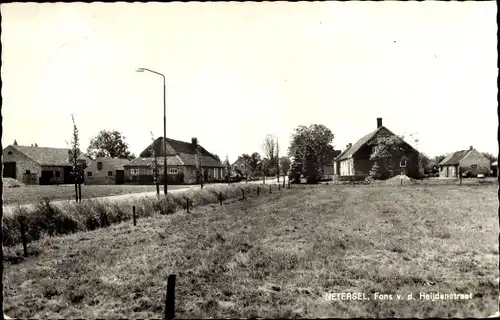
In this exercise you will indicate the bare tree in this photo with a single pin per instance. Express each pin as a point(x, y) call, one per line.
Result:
point(269, 147)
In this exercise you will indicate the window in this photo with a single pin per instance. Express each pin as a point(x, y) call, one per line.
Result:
point(110, 173)
point(28, 172)
point(173, 171)
point(89, 174)
point(58, 174)
point(99, 166)
point(134, 171)
point(9, 153)
point(474, 166)
point(402, 163)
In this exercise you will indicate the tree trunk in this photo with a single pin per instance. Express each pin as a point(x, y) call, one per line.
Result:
point(80, 192)
point(76, 192)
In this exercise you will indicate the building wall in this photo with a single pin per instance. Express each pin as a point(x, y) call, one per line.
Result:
point(347, 167)
point(482, 164)
point(450, 171)
point(100, 176)
point(23, 163)
point(57, 174)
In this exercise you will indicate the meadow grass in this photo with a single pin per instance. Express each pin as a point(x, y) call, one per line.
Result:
point(275, 256)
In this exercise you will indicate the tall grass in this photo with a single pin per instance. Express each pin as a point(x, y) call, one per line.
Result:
point(47, 219)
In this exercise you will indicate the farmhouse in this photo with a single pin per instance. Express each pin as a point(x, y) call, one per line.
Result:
point(239, 167)
point(469, 162)
point(181, 163)
point(106, 171)
point(354, 162)
point(38, 165)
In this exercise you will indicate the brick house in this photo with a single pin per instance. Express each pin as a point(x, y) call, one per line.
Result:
point(181, 162)
point(239, 167)
point(354, 161)
point(38, 165)
point(106, 171)
point(470, 162)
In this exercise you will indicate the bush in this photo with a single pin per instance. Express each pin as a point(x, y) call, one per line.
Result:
point(53, 220)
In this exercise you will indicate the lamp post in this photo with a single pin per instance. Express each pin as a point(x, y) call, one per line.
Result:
point(277, 156)
point(164, 126)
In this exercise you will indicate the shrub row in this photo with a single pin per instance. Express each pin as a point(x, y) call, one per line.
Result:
point(52, 220)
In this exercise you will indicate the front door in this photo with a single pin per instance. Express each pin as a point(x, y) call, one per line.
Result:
point(9, 170)
point(120, 177)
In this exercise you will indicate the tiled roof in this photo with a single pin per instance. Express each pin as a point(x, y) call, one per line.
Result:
point(349, 152)
point(48, 156)
point(361, 142)
point(176, 147)
point(206, 161)
point(148, 161)
point(454, 158)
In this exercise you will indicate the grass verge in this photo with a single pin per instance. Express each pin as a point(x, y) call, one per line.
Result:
point(275, 256)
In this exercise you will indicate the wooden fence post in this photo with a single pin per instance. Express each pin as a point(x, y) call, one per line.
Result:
point(80, 192)
point(170, 298)
point(258, 191)
point(23, 236)
point(270, 190)
point(220, 197)
point(243, 194)
point(187, 204)
point(133, 215)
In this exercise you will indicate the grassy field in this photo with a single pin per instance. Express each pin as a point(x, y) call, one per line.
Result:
point(275, 257)
point(35, 193)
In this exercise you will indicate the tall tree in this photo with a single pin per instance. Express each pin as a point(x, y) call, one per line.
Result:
point(199, 168)
point(216, 157)
point(269, 147)
point(110, 144)
point(73, 155)
point(285, 164)
point(314, 141)
point(227, 169)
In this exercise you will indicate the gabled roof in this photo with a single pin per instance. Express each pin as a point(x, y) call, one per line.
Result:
point(206, 161)
point(454, 158)
point(349, 152)
point(148, 161)
point(175, 147)
point(359, 144)
point(47, 156)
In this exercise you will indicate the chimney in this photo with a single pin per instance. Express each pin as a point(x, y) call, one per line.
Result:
point(471, 148)
point(194, 141)
point(347, 146)
point(350, 145)
point(379, 122)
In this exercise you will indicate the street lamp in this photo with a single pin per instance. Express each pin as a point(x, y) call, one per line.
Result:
point(164, 125)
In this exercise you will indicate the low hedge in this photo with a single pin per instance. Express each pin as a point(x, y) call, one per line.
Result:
point(52, 220)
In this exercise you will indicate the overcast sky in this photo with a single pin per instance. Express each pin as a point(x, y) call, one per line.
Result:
point(238, 71)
